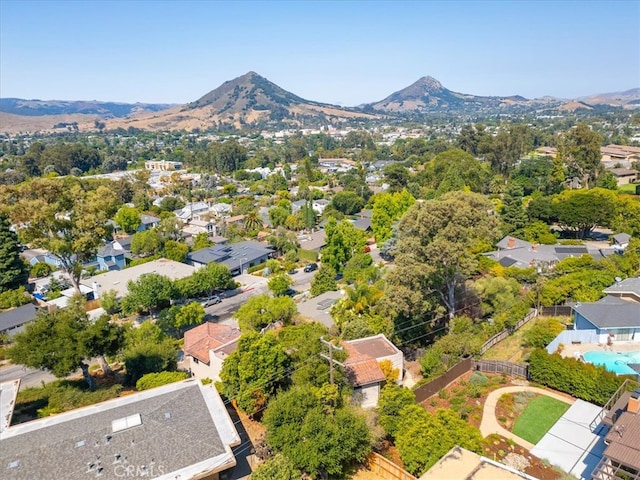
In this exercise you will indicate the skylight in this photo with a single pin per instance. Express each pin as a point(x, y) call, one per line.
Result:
point(126, 423)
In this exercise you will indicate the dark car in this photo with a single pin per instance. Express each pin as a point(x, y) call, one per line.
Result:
point(311, 267)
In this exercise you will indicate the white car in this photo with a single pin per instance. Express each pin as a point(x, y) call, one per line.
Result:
point(207, 302)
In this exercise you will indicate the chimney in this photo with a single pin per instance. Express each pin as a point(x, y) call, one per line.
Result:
point(96, 290)
point(534, 247)
point(511, 242)
point(634, 402)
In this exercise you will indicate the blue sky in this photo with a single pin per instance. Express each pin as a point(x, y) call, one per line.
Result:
point(345, 52)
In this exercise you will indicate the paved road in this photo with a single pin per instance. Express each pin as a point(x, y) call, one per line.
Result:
point(252, 286)
point(28, 377)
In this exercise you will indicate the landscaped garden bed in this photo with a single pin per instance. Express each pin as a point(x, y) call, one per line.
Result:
point(467, 396)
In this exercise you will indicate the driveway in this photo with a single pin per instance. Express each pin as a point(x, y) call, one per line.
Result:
point(317, 308)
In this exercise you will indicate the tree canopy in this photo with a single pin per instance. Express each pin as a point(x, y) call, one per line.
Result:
point(13, 271)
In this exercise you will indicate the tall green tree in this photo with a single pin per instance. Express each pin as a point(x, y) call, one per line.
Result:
point(580, 150)
point(128, 219)
point(387, 209)
point(66, 219)
point(318, 440)
point(580, 211)
point(324, 280)
point(262, 310)
point(13, 271)
point(438, 244)
point(513, 214)
point(255, 371)
point(149, 293)
point(343, 242)
point(64, 340)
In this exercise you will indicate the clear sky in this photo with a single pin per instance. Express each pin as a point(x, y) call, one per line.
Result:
point(346, 52)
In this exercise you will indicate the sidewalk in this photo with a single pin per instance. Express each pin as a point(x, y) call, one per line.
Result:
point(490, 423)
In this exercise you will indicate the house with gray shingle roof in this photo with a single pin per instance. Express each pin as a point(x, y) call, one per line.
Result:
point(13, 321)
point(615, 316)
point(235, 256)
point(147, 222)
point(181, 430)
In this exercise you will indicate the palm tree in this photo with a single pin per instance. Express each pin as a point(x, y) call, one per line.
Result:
point(253, 222)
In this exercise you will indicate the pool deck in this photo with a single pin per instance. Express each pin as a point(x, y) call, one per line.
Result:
point(622, 346)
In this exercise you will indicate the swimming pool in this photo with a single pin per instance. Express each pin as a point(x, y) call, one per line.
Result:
point(613, 361)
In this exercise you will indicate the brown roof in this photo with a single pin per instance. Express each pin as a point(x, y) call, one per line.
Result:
point(208, 336)
point(624, 440)
point(376, 347)
point(623, 172)
point(362, 369)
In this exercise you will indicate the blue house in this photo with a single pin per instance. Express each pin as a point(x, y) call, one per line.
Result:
point(147, 222)
point(610, 316)
point(111, 257)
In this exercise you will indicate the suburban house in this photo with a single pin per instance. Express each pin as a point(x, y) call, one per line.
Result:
point(207, 346)
point(111, 257)
point(514, 252)
point(363, 366)
point(621, 457)
point(162, 165)
point(181, 430)
point(147, 222)
point(196, 227)
point(362, 220)
point(13, 321)
point(336, 164)
point(621, 241)
point(627, 289)
point(319, 205)
point(314, 241)
point(622, 155)
point(616, 316)
point(462, 464)
point(624, 176)
point(297, 206)
point(117, 280)
point(221, 209)
point(237, 257)
point(192, 211)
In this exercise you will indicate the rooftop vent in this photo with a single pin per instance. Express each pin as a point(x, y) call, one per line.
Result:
point(126, 423)
point(167, 415)
point(14, 464)
point(81, 443)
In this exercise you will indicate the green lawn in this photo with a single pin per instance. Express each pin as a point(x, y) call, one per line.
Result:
point(538, 417)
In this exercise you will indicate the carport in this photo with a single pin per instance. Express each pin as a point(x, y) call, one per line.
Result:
point(570, 444)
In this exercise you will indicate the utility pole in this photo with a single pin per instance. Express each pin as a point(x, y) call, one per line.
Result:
point(332, 347)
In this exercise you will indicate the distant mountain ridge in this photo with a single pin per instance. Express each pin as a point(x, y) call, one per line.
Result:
point(428, 95)
point(18, 106)
point(250, 101)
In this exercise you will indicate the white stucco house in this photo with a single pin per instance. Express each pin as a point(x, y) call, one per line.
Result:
point(207, 346)
point(363, 366)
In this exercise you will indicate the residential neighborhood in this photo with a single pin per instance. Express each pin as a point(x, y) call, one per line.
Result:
point(341, 267)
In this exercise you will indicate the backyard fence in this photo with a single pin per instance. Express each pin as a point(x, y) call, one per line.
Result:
point(497, 366)
point(387, 469)
point(428, 389)
point(498, 337)
point(568, 337)
point(556, 311)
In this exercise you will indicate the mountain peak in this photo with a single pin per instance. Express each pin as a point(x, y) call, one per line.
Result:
point(429, 83)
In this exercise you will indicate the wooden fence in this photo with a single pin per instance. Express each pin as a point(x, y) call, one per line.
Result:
point(387, 469)
point(428, 389)
point(497, 366)
point(556, 311)
point(498, 337)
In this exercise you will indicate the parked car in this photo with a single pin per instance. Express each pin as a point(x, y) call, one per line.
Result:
point(311, 267)
point(207, 302)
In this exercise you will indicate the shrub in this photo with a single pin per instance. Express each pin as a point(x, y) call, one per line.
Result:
point(478, 378)
point(152, 380)
point(41, 269)
point(14, 298)
point(543, 332)
point(255, 268)
point(582, 380)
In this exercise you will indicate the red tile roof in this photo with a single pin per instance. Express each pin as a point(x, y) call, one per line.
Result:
point(208, 336)
point(362, 369)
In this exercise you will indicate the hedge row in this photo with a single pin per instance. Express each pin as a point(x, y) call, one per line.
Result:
point(581, 380)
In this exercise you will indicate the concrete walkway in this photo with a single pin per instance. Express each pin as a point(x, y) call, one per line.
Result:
point(490, 423)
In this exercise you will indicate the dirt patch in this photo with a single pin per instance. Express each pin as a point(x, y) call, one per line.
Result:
point(502, 450)
point(510, 406)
